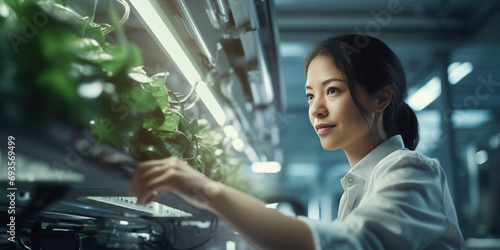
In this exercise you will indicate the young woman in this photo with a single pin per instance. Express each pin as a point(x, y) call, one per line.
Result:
point(395, 198)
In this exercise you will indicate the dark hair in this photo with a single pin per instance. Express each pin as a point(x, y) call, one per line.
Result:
point(369, 62)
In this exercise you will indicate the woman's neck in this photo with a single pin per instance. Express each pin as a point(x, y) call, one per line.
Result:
point(362, 147)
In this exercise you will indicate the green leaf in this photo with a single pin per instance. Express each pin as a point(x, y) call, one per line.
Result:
point(195, 126)
point(57, 80)
point(114, 59)
point(135, 56)
point(139, 75)
point(171, 122)
point(88, 49)
point(178, 141)
point(94, 31)
point(173, 149)
point(144, 99)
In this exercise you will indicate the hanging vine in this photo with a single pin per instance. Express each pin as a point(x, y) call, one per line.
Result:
point(62, 70)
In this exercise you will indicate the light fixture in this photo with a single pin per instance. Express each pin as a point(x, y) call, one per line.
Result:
point(432, 89)
point(162, 29)
point(425, 95)
point(238, 144)
point(457, 71)
point(230, 132)
point(269, 167)
point(90, 90)
point(272, 205)
point(481, 157)
point(230, 245)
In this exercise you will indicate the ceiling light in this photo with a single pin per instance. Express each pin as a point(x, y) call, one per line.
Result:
point(272, 205)
point(481, 157)
point(425, 95)
point(230, 245)
point(457, 71)
point(268, 167)
point(230, 132)
point(238, 144)
point(90, 90)
point(160, 26)
point(251, 154)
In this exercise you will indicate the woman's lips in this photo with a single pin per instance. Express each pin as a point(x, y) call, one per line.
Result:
point(324, 129)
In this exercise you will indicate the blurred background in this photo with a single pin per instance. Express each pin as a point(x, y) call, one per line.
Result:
point(250, 54)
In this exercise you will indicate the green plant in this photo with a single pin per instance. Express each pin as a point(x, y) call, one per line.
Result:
point(66, 72)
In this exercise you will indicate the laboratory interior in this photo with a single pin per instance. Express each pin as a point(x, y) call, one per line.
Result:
point(89, 89)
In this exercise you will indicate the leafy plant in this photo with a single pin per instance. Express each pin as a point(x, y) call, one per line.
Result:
point(62, 70)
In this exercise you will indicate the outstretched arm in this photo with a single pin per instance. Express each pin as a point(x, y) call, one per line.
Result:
point(264, 227)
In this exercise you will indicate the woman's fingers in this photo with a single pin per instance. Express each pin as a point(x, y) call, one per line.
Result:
point(140, 169)
point(152, 178)
point(156, 185)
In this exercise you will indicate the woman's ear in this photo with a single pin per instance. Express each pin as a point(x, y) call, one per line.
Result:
point(383, 98)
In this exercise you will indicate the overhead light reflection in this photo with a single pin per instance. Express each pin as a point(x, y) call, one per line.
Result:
point(238, 144)
point(90, 90)
point(432, 89)
point(481, 157)
point(457, 71)
point(425, 95)
point(230, 132)
point(268, 167)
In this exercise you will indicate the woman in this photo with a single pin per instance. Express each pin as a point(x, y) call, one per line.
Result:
point(394, 197)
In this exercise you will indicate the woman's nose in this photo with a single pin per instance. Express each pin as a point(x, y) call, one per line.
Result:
point(318, 108)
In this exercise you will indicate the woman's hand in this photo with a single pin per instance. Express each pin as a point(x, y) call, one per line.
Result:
point(155, 177)
point(264, 227)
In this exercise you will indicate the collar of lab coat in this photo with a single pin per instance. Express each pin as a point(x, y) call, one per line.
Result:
point(363, 169)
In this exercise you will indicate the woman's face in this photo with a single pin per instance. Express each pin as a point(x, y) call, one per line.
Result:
point(332, 111)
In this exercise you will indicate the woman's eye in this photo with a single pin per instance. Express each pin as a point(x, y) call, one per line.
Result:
point(309, 97)
point(332, 90)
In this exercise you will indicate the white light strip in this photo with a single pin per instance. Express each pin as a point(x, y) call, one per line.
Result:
point(213, 106)
point(230, 132)
point(457, 71)
point(313, 209)
point(432, 89)
point(269, 167)
point(148, 12)
point(251, 154)
point(425, 95)
point(238, 145)
point(272, 205)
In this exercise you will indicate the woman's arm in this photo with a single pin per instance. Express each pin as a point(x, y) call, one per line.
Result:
point(264, 227)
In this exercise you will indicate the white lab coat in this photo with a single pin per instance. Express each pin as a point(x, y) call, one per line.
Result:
point(393, 198)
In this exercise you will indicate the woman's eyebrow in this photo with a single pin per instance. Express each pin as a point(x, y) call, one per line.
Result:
point(326, 82)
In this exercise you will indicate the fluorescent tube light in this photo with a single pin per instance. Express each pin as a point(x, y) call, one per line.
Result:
point(272, 205)
point(159, 26)
point(432, 89)
point(457, 71)
point(269, 167)
point(238, 145)
point(230, 132)
point(425, 95)
point(211, 103)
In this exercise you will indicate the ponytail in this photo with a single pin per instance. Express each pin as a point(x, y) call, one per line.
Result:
point(407, 124)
